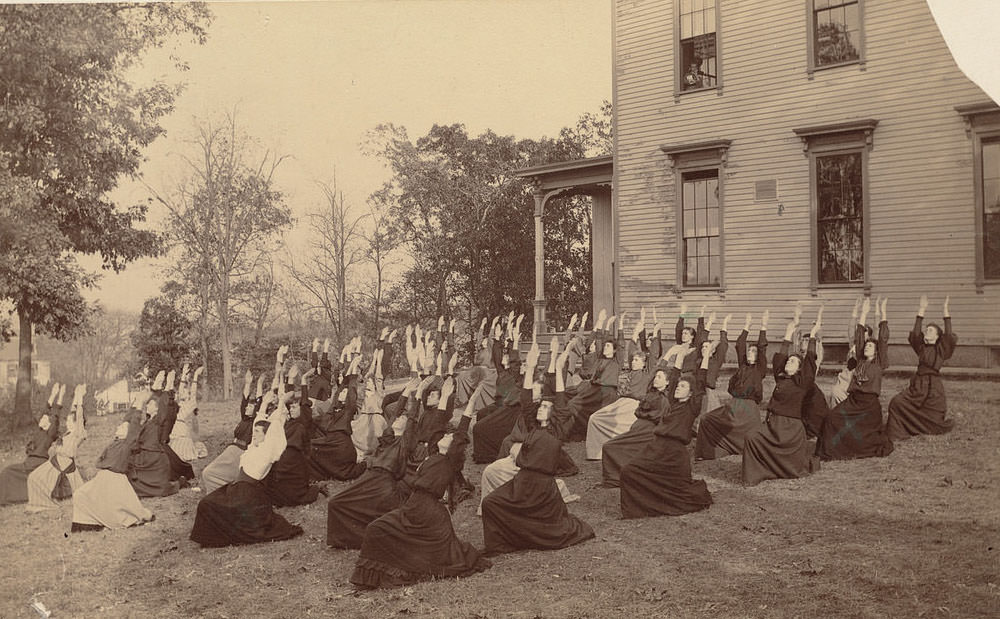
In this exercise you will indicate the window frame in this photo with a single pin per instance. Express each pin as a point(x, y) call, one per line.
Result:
point(838, 139)
point(698, 157)
point(982, 123)
point(811, 66)
point(678, 62)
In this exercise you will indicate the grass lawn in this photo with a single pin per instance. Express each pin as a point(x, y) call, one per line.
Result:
point(916, 534)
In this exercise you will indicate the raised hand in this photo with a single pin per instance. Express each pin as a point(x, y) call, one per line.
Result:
point(583, 321)
point(621, 322)
point(185, 371)
point(818, 324)
point(702, 312)
point(315, 344)
point(158, 381)
point(725, 322)
point(554, 346)
point(307, 375)
point(531, 360)
point(764, 318)
point(683, 310)
point(451, 364)
point(747, 322)
point(923, 305)
point(866, 306)
point(451, 326)
point(710, 321)
point(572, 323)
point(169, 384)
point(440, 326)
point(260, 385)
point(62, 394)
point(945, 311)
point(447, 388)
point(392, 335)
point(611, 321)
point(482, 325)
point(885, 313)
point(293, 373)
point(798, 313)
point(53, 394)
point(326, 345)
point(383, 334)
point(602, 317)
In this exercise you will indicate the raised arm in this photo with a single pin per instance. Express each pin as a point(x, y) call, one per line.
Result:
point(948, 340)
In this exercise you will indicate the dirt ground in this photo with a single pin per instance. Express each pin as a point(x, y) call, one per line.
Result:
point(916, 534)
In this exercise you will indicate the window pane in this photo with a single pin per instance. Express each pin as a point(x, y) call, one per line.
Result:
point(857, 234)
point(715, 270)
point(851, 18)
point(703, 270)
point(991, 161)
point(702, 247)
point(713, 222)
point(701, 222)
point(691, 247)
point(713, 246)
point(691, 276)
point(991, 246)
point(857, 266)
point(713, 192)
point(698, 5)
point(688, 195)
point(698, 27)
point(686, 26)
point(685, 6)
point(820, 4)
point(991, 196)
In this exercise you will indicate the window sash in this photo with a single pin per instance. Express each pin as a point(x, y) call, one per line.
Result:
point(839, 214)
point(696, 41)
point(835, 34)
point(700, 228)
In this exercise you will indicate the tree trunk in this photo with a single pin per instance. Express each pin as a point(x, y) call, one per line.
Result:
point(22, 397)
point(227, 361)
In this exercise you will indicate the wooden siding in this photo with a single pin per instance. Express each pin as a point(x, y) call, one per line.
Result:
point(921, 220)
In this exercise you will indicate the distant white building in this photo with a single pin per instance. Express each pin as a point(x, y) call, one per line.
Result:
point(115, 398)
point(41, 371)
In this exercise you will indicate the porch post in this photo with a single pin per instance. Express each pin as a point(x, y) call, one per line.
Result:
point(539, 302)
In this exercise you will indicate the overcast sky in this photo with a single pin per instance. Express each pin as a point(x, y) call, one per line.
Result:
point(311, 78)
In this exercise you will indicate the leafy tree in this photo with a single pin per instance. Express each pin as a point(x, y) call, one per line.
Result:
point(72, 125)
point(467, 220)
point(163, 338)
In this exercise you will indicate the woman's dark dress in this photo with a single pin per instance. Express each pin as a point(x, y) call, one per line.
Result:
point(378, 491)
point(416, 541)
point(14, 478)
point(658, 482)
point(921, 408)
point(723, 431)
point(289, 481)
point(333, 455)
point(854, 428)
point(779, 449)
point(149, 468)
point(528, 511)
point(620, 450)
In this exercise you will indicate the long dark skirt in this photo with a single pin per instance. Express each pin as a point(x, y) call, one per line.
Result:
point(588, 400)
point(621, 450)
point(178, 467)
point(413, 543)
point(920, 409)
point(14, 480)
point(723, 432)
point(351, 510)
point(489, 432)
point(150, 472)
point(659, 483)
point(240, 513)
point(854, 430)
point(334, 457)
point(778, 450)
point(288, 481)
point(814, 411)
point(528, 512)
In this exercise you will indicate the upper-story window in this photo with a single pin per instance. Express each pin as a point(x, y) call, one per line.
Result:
point(697, 44)
point(836, 33)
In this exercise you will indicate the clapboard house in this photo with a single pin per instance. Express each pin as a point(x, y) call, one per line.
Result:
point(815, 150)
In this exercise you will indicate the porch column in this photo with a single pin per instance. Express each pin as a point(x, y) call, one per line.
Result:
point(539, 302)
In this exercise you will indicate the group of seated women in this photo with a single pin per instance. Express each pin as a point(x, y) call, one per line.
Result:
point(638, 403)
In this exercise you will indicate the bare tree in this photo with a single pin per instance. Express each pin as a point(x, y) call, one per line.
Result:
point(255, 297)
point(99, 358)
point(224, 216)
point(333, 251)
point(380, 243)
